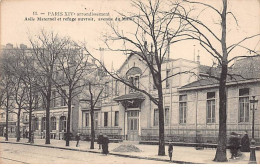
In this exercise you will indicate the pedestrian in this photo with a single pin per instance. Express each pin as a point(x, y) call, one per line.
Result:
point(32, 137)
point(105, 142)
point(77, 139)
point(170, 150)
point(26, 134)
point(234, 145)
point(245, 143)
point(99, 141)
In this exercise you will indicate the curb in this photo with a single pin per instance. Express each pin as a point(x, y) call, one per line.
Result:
point(115, 154)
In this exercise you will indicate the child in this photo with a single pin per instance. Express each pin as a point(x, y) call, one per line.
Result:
point(170, 150)
point(77, 139)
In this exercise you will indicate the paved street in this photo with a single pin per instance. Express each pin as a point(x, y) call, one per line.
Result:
point(14, 152)
point(26, 154)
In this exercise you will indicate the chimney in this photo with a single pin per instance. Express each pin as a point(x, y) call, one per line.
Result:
point(198, 57)
point(23, 46)
point(9, 46)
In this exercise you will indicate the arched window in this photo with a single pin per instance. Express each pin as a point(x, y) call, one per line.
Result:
point(53, 123)
point(63, 123)
point(36, 124)
point(133, 75)
point(43, 123)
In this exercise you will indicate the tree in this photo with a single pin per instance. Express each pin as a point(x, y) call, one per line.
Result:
point(7, 84)
point(151, 25)
point(215, 43)
point(19, 95)
point(92, 96)
point(46, 47)
point(73, 66)
point(19, 91)
point(30, 84)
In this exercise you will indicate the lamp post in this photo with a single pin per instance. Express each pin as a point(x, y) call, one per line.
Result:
point(252, 159)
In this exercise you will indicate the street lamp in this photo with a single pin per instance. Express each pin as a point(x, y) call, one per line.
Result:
point(252, 159)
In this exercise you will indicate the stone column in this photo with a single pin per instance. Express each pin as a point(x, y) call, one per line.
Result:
point(57, 127)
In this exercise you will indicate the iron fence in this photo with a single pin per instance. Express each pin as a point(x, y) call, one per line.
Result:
point(198, 135)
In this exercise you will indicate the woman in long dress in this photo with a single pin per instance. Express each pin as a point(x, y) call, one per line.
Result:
point(245, 143)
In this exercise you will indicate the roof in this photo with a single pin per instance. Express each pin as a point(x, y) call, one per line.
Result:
point(130, 96)
point(201, 82)
point(131, 54)
point(245, 69)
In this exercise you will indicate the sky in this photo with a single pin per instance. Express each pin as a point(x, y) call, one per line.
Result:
point(15, 29)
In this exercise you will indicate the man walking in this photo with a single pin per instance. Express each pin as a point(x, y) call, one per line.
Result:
point(77, 139)
point(170, 150)
point(100, 140)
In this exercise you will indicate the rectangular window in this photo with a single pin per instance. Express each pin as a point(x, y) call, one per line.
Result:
point(105, 118)
point(167, 79)
point(43, 102)
point(63, 98)
point(36, 100)
point(87, 120)
point(132, 83)
point(53, 123)
point(116, 118)
point(166, 116)
point(53, 98)
point(96, 120)
point(211, 107)
point(244, 105)
point(116, 88)
point(106, 89)
point(136, 83)
point(182, 108)
point(156, 117)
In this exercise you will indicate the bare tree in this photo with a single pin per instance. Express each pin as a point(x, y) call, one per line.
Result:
point(46, 47)
point(30, 84)
point(92, 96)
point(71, 68)
point(7, 83)
point(152, 25)
point(215, 43)
point(19, 97)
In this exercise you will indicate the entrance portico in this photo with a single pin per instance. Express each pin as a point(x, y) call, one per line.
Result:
point(132, 105)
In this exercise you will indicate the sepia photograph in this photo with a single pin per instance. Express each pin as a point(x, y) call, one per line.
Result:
point(130, 82)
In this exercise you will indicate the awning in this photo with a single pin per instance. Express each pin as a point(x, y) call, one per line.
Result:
point(130, 96)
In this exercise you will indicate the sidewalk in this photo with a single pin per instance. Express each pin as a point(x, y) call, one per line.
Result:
point(180, 154)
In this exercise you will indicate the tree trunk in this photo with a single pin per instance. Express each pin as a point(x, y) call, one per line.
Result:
point(92, 129)
point(18, 125)
point(30, 124)
point(68, 121)
point(221, 155)
point(92, 119)
point(161, 150)
point(48, 101)
point(6, 121)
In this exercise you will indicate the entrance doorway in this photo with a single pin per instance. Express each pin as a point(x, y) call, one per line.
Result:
point(133, 125)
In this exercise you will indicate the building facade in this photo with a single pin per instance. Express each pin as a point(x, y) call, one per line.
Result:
point(190, 103)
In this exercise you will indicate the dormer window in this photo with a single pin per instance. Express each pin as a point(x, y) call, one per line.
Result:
point(133, 75)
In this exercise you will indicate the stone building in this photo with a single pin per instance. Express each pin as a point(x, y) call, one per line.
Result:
point(190, 102)
point(202, 101)
point(12, 122)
